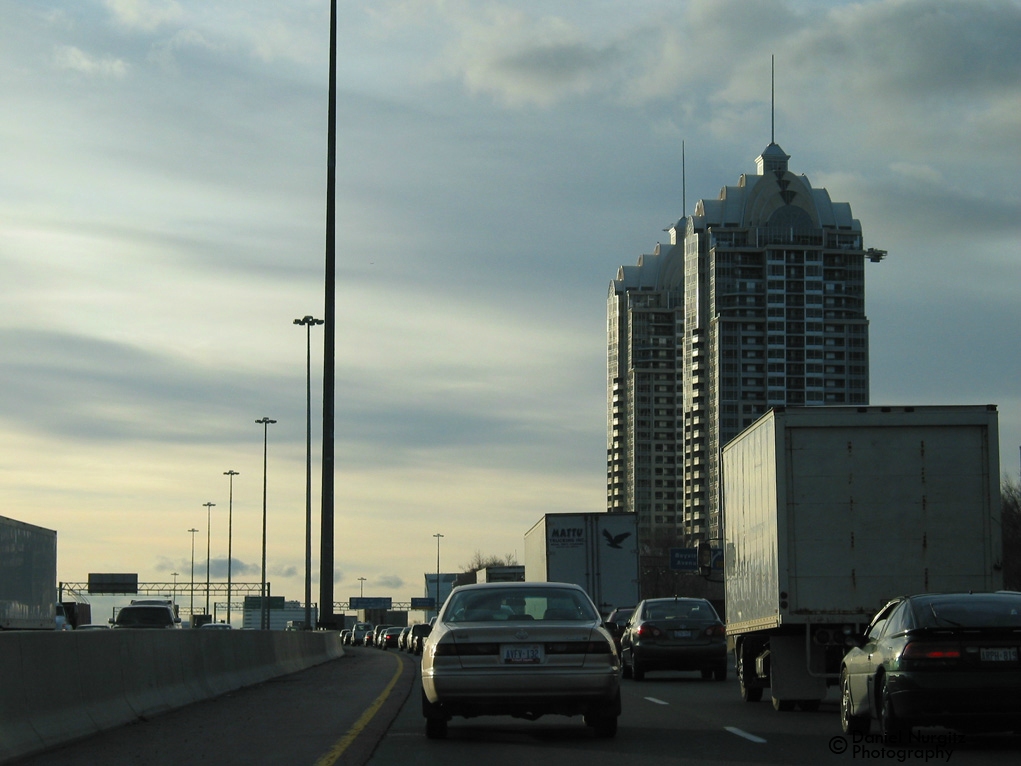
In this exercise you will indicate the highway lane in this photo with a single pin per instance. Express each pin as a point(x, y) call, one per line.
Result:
point(676, 719)
point(365, 709)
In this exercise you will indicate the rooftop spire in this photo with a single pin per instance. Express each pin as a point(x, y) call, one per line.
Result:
point(773, 158)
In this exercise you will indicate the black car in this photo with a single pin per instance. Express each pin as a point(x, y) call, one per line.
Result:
point(419, 632)
point(617, 621)
point(674, 634)
point(936, 660)
point(389, 638)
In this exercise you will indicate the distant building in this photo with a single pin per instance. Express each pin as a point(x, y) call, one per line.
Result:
point(756, 301)
point(446, 585)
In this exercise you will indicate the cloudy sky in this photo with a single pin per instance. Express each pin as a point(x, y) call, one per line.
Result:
point(162, 223)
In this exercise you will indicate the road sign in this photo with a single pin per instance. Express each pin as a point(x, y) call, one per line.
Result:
point(423, 603)
point(371, 602)
point(684, 559)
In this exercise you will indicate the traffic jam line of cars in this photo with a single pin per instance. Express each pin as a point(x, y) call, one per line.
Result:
point(533, 649)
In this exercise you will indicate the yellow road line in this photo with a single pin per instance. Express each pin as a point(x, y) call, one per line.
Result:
point(344, 742)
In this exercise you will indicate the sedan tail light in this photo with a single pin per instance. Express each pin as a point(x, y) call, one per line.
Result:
point(716, 631)
point(930, 654)
point(648, 630)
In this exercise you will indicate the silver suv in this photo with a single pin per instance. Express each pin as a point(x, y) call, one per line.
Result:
point(149, 615)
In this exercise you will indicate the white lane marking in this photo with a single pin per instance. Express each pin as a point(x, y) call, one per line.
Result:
point(656, 701)
point(746, 735)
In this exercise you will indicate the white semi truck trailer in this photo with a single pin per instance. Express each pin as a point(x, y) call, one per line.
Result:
point(829, 512)
point(28, 576)
point(598, 551)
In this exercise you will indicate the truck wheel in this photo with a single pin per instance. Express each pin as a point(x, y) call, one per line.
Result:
point(783, 706)
point(748, 693)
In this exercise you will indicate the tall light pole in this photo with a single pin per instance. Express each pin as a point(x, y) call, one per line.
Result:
point(209, 508)
point(192, 608)
point(230, 526)
point(264, 610)
point(361, 586)
point(329, 340)
point(175, 589)
point(308, 322)
point(437, 536)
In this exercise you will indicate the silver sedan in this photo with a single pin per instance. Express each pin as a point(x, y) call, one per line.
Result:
point(520, 649)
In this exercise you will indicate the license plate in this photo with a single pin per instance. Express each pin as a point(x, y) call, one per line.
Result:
point(522, 654)
point(682, 634)
point(1007, 654)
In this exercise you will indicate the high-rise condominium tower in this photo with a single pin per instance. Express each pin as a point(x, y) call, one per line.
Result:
point(756, 301)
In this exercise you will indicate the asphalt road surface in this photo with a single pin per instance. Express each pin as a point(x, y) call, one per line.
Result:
point(365, 709)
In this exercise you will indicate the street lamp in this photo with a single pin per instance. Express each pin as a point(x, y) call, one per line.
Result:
point(230, 525)
point(192, 608)
point(209, 508)
point(437, 536)
point(308, 322)
point(361, 586)
point(264, 610)
point(175, 588)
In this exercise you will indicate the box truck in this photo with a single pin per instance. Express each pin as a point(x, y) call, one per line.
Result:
point(829, 512)
point(598, 551)
point(28, 576)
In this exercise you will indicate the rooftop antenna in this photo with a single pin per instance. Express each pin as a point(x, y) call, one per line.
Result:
point(684, 185)
point(772, 99)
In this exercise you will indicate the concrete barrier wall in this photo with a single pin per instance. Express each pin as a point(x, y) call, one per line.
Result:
point(59, 686)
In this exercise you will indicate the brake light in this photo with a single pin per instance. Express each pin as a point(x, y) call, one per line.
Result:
point(445, 649)
point(648, 630)
point(917, 651)
point(920, 651)
point(716, 631)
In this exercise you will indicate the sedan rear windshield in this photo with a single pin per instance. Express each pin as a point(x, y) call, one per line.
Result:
point(970, 610)
point(145, 616)
point(679, 609)
point(511, 604)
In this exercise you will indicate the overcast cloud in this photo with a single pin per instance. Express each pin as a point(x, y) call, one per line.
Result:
point(162, 222)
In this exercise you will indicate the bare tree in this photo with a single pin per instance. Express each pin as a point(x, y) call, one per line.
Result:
point(478, 561)
point(1010, 495)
